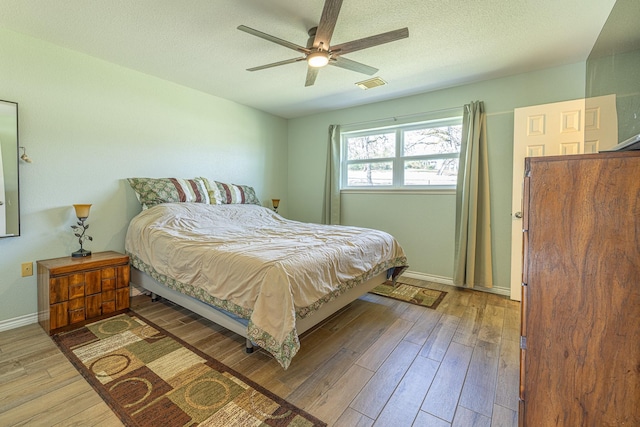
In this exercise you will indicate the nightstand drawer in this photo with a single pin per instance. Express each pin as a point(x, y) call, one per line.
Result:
point(122, 298)
point(58, 290)
point(108, 273)
point(108, 307)
point(59, 315)
point(76, 316)
point(76, 291)
point(108, 284)
point(92, 282)
point(108, 296)
point(93, 305)
point(76, 304)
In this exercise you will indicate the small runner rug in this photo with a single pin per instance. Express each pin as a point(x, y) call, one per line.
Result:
point(150, 377)
point(429, 298)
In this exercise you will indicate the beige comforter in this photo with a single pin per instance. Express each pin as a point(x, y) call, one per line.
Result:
point(252, 262)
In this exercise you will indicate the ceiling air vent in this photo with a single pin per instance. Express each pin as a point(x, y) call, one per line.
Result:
point(371, 83)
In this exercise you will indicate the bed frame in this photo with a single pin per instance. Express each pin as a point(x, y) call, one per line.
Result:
point(141, 279)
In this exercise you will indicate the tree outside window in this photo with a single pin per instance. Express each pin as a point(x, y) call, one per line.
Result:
point(423, 155)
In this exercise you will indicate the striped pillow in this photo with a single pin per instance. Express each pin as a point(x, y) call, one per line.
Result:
point(232, 193)
point(225, 194)
point(153, 191)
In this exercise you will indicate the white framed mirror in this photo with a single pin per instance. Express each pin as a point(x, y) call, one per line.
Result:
point(9, 179)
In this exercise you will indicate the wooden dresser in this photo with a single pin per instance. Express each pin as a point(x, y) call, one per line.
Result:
point(580, 345)
point(76, 291)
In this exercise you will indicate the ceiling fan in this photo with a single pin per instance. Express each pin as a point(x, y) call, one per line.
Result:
point(318, 51)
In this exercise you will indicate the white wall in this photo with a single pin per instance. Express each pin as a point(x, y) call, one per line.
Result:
point(424, 224)
point(88, 124)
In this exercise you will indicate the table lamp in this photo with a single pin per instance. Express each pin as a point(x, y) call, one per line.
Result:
point(82, 212)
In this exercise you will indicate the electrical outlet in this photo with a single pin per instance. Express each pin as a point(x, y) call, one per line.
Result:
point(27, 269)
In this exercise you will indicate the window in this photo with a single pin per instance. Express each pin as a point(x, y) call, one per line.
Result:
point(410, 156)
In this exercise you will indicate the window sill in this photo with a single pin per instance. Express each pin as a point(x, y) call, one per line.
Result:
point(403, 191)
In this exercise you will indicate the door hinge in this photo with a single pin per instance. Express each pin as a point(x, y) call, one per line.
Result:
point(523, 343)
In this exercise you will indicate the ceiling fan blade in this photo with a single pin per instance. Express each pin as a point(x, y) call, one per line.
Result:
point(327, 23)
point(273, 39)
point(275, 64)
point(353, 66)
point(312, 73)
point(366, 42)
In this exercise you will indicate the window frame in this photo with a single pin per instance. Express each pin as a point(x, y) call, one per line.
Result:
point(398, 160)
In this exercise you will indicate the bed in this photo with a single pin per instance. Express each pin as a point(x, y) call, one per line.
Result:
point(254, 272)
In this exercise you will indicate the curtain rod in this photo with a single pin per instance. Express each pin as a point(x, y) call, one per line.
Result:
point(396, 118)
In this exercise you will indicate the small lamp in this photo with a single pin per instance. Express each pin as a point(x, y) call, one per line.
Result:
point(275, 203)
point(82, 212)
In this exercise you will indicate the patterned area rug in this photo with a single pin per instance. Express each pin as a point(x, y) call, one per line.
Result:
point(152, 378)
point(429, 298)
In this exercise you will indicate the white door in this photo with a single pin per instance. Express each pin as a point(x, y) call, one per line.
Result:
point(571, 127)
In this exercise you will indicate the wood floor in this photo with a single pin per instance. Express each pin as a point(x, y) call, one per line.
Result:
point(380, 362)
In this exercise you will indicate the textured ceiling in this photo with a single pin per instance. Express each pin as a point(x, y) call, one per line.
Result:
point(196, 43)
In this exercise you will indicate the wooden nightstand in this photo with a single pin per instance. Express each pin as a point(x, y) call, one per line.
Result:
point(76, 291)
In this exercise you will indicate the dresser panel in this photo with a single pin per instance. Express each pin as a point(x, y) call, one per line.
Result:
point(580, 357)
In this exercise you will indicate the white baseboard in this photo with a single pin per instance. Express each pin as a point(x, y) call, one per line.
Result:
point(449, 281)
point(28, 319)
point(16, 322)
point(428, 277)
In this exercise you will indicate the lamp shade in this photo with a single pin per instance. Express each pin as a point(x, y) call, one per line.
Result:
point(82, 211)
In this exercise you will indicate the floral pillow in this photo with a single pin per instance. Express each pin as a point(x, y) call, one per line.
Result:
point(225, 194)
point(153, 191)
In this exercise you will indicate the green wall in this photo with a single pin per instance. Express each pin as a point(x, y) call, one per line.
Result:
point(424, 223)
point(88, 124)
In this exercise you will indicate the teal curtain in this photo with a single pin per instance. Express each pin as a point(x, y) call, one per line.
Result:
point(473, 250)
point(331, 208)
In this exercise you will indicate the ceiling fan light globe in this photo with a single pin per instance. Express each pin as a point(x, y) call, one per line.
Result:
point(318, 59)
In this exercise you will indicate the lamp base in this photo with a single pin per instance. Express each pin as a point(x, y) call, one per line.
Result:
point(81, 253)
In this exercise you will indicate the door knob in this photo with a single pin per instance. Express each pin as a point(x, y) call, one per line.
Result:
point(518, 214)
